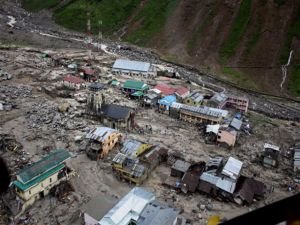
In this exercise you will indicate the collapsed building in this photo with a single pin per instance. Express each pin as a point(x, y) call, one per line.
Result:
point(215, 179)
point(270, 155)
point(37, 180)
point(101, 141)
point(136, 160)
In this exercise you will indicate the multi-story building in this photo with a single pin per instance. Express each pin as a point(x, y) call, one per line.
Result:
point(101, 141)
point(36, 181)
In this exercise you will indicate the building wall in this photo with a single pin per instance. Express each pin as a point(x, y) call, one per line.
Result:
point(88, 220)
point(198, 118)
point(226, 137)
point(238, 103)
point(109, 143)
point(44, 185)
point(118, 125)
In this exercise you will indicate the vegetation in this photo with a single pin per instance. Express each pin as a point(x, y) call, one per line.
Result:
point(254, 36)
point(238, 29)
point(106, 16)
point(151, 19)
point(36, 5)
point(239, 78)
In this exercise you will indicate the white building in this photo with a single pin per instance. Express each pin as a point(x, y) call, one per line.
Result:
point(129, 67)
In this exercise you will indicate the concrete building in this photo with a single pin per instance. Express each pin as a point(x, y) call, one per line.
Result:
point(164, 89)
point(35, 181)
point(237, 102)
point(73, 82)
point(194, 114)
point(116, 116)
point(179, 168)
point(133, 148)
point(194, 99)
point(165, 103)
point(101, 141)
point(227, 136)
point(182, 92)
point(128, 67)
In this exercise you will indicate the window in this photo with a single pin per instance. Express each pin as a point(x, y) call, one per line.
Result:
point(50, 179)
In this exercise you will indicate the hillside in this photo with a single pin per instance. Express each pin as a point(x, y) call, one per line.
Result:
point(243, 41)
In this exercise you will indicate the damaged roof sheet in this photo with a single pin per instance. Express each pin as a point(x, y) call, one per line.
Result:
point(210, 178)
point(274, 147)
point(226, 185)
point(181, 166)
point(232, 168)
point(213, 128)
point(128, 208)
point(130, 147)
point(100, 133)
point(156, 213)
point(236, 124)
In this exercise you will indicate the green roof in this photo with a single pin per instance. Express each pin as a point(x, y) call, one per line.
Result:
point(38, 179)
point(138, 94)
point(136, 85)
point(42, 166)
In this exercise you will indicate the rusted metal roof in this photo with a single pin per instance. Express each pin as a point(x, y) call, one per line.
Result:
point(100, 133)
point(73, 79)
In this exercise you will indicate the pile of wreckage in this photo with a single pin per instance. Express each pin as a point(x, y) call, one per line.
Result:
point(9, 95)
point(136, 160)
point(217, 179)
point(4, 75)
point(13, 150)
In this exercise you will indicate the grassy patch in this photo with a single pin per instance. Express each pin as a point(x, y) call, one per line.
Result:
point(170, 58)
point(36, 5)
point(294, 83)
point(254, 37)
point(112, 13)
point(239, 78)
point(192, 42)
point(237, 30)
point(152, 18)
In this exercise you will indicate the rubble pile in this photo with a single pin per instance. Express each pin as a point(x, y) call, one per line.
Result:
point(10, 146)
point(56, 117)
point(10, 94)
point(62, 190)
point(4, 75)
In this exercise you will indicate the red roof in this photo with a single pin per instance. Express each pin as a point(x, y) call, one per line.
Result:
point(182, 91)
point(165, 89)
point(88, 71)
point(73, 79)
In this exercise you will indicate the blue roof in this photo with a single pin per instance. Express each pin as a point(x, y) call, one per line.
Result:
point(121, 64)
point(168, 100)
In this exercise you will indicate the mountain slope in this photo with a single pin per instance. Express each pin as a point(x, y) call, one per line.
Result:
point(243, 41)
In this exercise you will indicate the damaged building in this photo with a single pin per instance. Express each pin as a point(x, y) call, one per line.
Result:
point(101, 141)
point(270, 155)
point(36, 181)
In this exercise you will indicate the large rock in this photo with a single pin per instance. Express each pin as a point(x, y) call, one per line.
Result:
point(64, 107)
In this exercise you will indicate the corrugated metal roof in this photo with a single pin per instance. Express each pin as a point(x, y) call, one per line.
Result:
point(210, 178)
point(130, 147)
point(168, 100)
point(236, 123)
point(73, 79)
point(181, 165)
point(138, 66)
point(274, 147)
point(100, 133)
point(156, 213)
point(47, 163)
point(232, 168)
point(226, 185)
point(128, 208)
point(165, 89)
point(196, 96)
point(136, 85)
